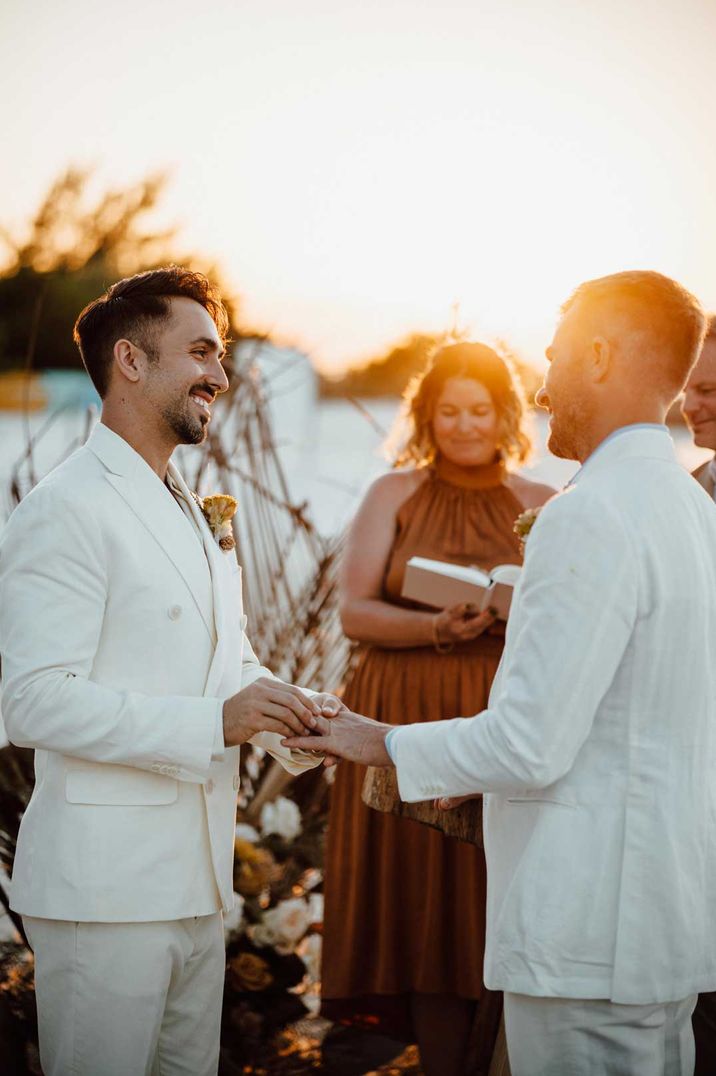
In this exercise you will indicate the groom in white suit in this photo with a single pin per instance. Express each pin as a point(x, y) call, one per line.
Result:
point(125, 665)
point(598, 749)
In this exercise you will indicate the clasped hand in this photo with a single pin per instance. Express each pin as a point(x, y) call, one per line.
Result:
point(347, 735)
point(269, 705)
point(460, 623)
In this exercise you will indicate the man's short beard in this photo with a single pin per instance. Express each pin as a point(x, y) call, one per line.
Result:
point(561, 445)
point(188, 429)
point(569, 434)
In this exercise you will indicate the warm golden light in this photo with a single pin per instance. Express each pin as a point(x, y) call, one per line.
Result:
point(358, 171)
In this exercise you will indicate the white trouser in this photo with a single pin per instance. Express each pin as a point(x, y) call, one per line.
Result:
point(129, 999)
point(570, 1037)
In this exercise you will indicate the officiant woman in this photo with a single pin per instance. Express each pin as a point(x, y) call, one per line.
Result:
point(405, 905)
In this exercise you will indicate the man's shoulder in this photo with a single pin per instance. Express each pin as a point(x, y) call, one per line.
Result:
point(622, 478)
point(592, 505)
point(642, 489)
point(72, 485)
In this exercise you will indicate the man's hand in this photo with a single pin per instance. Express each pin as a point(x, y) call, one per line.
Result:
point(329, 705)
point(349, 736)
point(447, 803)
point(268, 706)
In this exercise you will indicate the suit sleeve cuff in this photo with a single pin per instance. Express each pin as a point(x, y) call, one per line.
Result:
point(217, 751)
point(390, 744)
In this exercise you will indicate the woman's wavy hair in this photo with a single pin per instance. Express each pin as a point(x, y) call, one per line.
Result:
point(414, 443)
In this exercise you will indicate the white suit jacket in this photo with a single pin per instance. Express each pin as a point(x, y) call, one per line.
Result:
point(119, 644)
point(598, 747)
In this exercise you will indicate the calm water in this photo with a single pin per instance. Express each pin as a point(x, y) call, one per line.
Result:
point(331, 451)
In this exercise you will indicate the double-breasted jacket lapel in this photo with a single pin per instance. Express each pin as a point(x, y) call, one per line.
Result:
point(225, 582)
point(156, 508)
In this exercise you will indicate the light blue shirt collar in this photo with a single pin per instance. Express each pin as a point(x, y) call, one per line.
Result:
point(659, 426)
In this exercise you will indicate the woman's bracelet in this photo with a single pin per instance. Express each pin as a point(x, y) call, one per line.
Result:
point(441, 648)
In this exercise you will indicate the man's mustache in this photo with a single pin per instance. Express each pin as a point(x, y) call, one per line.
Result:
point(210, 390)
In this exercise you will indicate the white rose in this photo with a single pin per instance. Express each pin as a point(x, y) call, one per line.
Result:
point(245, 832)
point(283, 926)
point(234, 918)
point(315, 907)
point(253, 762)
point(310, 953)
point(282, 817)
point(312, 1003)
point(311, 877)
point(264, 933)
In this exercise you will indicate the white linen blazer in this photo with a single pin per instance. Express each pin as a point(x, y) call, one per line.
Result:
point(598, 747)
point(119, 646)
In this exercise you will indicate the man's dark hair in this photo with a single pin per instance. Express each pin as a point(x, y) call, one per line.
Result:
point(133, 309)
point(668, 318)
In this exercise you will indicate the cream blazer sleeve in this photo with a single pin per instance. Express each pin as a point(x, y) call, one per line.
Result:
point(572, 619)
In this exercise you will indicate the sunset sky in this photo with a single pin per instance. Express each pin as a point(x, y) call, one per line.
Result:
point(357, 169)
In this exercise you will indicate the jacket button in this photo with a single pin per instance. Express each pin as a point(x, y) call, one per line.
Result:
point(209, 786)
point(237, 782)
point(174, 612)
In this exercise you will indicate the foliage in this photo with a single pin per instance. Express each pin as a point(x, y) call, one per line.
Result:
point(17, 778)
point(389, 374)
point(74, 247)
point(18, 1018)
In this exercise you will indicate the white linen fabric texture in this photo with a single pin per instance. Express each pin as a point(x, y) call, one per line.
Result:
point(597, 752)
point(577, 1037)
point(129, 999)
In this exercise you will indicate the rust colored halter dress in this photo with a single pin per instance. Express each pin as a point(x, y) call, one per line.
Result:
point(405, 906)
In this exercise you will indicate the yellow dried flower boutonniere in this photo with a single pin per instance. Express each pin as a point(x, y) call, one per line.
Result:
point(524, 524)
point(219, 509)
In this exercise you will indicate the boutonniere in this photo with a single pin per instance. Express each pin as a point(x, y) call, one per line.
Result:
point(219, 509)
point(524, 524)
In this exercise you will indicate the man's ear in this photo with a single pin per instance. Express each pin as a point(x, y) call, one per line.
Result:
point(127, 359)
point(601, 359)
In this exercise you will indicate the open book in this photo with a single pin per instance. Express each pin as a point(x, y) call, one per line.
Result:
point(437, 583)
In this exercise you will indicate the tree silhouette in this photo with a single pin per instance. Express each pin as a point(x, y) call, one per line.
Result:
point(73, 249)
point(389, 374)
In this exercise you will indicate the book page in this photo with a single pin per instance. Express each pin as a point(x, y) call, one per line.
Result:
point(506, 573)
point(452, 571)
